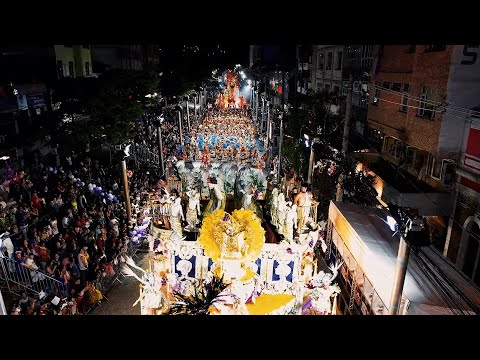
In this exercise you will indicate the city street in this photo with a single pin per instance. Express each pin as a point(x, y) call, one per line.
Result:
point(122, 296)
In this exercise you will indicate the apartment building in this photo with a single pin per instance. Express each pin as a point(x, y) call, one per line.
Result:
point(73, 61)
point(327, 61)
point(358, 62)
point(424, 110)
point(405, 113)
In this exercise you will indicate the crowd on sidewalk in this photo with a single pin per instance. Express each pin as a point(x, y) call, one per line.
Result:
point(61, 226)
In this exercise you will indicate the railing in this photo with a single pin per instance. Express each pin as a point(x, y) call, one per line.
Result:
point(3, 309)
point(175, 184)
point(27, 279)
point(142, 154)
point(309, 213)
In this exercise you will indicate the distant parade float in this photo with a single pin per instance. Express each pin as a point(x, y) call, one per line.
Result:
point(230, 97)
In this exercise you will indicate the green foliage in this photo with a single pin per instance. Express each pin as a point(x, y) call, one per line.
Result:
point(292, 155)
point(201, 300)
point(113, 102)
point(358, 188)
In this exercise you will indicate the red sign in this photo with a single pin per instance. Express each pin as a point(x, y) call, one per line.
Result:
point(473, 145)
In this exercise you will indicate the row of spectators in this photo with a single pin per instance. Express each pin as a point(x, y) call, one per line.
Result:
point(54, 226)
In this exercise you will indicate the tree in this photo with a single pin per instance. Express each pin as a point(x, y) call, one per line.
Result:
point(358, 187)
point(110, 104)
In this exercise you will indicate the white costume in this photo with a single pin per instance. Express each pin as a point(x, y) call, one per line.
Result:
point(290, 221)
point(193, 209)
point(281, 213)
point(176, 217)
point(273, 207)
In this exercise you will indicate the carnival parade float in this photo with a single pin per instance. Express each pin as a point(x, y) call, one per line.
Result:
point(228, 267)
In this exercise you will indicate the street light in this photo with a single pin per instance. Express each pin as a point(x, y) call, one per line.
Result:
point(160, 142)
point(412, 232)
point(125, 185)
point(312, 158)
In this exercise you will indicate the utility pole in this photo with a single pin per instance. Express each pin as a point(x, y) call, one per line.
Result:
point(263, 116)
point(126, 191)
point(346, 130)
point(256, 106)
point(312, 160)
point(160, 148)
point(268, 123)
point(280, 143)
point(195, 105)
point(180, 126)
point(188, 114)
point(399, 279)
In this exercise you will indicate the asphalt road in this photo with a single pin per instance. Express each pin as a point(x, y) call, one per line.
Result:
point(122, 296)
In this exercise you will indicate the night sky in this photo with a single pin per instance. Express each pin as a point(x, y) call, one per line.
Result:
point(185, 64)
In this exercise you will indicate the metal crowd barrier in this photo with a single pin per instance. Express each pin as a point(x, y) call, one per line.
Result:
point(175, 184)
point(141, 153)
point(22, 279)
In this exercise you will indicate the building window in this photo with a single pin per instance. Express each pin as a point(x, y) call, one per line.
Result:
point(60, 68)
point(434, 167)
point(319, 87)
point(386, 85)
point(406, 88)
point(374, 135)
point(329, 61)
point(411, 49)
point(321, 60)
point(432, 48)
point(426, 103)
point(409, 155)
point(87, 68)
point(392, 146)
point(336, 89)
point(404, 106)
point(338, 60)
point(70, 69)
point(327, 87)
point(397, 86)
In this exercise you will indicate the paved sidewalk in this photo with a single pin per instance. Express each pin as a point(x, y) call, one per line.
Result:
point(122, 296)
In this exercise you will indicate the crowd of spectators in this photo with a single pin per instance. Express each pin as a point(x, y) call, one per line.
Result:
point(54, 225)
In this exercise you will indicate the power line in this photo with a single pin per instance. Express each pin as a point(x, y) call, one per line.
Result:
point(448, 106)
point(451, 283)
point(454, 303)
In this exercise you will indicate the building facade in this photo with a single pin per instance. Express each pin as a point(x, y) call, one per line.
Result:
point(409, 85)
point(303, 75)
point(118, 57)
point(423, 111)
point(327, 64)
point(358, 62)
point(463, 239)
point(73, 61)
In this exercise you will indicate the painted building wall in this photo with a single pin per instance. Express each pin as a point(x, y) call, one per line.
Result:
point(462, 95)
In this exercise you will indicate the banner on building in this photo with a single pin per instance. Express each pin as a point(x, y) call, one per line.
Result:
point(36, 101)
point(22, 102)
point(462, 95)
